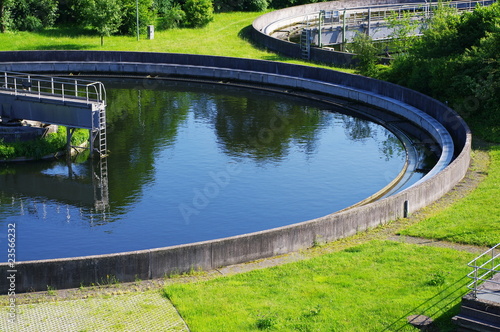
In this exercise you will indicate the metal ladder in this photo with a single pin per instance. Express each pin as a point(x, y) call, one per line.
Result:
point(305, 43)
point(101, 188)
point(98, 132)
point(103, 152)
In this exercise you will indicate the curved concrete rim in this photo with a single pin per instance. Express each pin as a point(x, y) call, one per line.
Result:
point(440, 122)
point(290, 16)
point(265, 24)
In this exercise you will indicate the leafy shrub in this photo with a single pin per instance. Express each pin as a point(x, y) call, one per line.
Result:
point(162, 7)
point(173, 18)
point(450, 65)
point(147, 16)
point(366, 53)
point(240, 5)
point(32, 15)
point(255, 5)
point(198, 13)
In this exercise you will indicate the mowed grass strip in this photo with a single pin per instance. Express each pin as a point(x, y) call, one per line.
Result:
point(218, 38)
point(475, 219)
point(370, 287)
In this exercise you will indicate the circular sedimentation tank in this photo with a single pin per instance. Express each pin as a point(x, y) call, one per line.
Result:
point(439, 126)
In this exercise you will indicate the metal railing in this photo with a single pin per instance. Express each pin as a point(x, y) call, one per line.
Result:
point(485, 266)
point(378, 13)
point(52, 87)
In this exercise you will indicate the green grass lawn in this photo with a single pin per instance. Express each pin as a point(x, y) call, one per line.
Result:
point(225, 36)
point(371, 287)
point(475, 219)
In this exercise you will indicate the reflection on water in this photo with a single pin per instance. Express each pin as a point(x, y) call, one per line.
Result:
point(191, 162)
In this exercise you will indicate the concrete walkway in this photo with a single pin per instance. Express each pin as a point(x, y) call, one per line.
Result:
point(140, 311)
point(490, 290)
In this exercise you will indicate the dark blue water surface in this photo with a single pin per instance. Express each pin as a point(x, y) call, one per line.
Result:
point(191, 162)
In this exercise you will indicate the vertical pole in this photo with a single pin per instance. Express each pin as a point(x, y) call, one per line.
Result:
point(76, 88)
point(492, 261)
point(137, 14)
point(321, 13)
point(68, 142)
point(343, 31)
point(6, 81)
point(52, 84)
point(91, 139)
point(475, 279)
point(369, 21)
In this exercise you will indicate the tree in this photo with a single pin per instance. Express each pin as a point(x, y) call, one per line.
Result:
point(198, 13)
point(366, 53)
point(147, 15)
point(403, 26)
point(5, 15)
point(456, 61)
point(32, 15)
point(240, 5)
point(172, 18)
point(104, 16)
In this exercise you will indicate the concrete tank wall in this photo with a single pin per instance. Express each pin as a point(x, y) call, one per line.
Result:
point(156, 263)
point(265, 24)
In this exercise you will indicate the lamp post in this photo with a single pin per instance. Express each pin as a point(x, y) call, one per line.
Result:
point(137, 15)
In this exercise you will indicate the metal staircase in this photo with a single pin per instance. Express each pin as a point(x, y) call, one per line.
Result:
point(480, 309)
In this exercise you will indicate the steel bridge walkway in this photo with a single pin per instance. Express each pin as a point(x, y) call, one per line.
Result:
point(61, 101)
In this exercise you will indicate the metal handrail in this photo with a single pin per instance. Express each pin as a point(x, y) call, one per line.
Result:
point(356, 15)
point(60, 87)
point(484, 271)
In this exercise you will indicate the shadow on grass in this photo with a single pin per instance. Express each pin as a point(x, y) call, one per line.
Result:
point(63, 34)
point(436, 308)
point(61, 47)
point(69, 32)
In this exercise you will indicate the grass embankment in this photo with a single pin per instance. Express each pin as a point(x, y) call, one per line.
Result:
point(473, 220)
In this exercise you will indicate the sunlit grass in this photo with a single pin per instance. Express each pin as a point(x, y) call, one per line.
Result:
point(371, 287)
point(475, 219)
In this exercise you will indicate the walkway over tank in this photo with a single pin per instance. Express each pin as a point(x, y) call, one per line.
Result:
point(56, 100)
